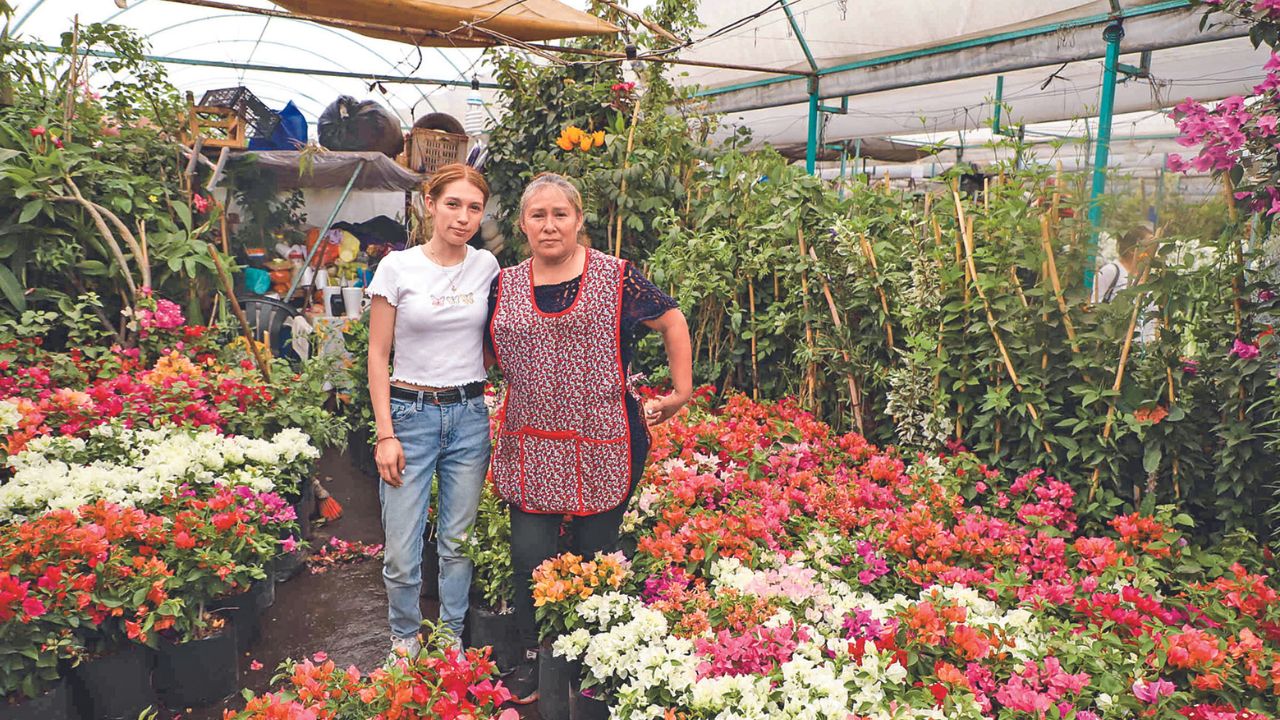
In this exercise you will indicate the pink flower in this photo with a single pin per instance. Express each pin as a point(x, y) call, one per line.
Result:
point(33, 608)
point(1150, 692)
point(37, 131)
point(289, 544)
point(1267, 124)
point(255, 666)
point(199, 202)
point(1243, 350)
point(320, 656)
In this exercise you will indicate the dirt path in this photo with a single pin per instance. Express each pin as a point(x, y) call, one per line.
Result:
point(342, 612)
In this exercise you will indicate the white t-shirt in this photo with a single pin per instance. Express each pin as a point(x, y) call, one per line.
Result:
point(440, 315)
point(1110, 280)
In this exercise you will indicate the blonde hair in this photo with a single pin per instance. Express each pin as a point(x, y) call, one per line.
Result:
point(560, 182)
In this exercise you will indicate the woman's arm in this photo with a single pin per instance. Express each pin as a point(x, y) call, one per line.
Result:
point(675, 338)
point(387, 453)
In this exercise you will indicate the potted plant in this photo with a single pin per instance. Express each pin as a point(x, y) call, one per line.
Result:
point(560, 585)
point(491, 622)
point(198, 664)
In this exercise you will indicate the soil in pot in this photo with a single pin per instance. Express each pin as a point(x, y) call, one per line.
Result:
point(554, 675)
point(198, 672)
point(53, 705)
point(115, 685)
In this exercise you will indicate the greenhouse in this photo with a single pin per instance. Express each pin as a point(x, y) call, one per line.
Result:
point(639, 359)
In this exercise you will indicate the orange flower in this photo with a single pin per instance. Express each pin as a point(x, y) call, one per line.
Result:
point(570, 137)
point(597, 138)
point(1152, 415)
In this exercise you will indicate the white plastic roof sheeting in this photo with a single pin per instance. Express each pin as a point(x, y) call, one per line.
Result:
point(184, 31)
point(953, 111)
point(1038, 87)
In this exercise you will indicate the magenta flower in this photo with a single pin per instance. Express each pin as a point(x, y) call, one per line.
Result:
point(1150, 692)
point(1243, 350)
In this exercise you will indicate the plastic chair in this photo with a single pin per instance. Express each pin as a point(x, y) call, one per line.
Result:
point(268, 315)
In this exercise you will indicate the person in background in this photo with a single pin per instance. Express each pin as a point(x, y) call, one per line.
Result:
point(428, 304)
point(1135, 249)
point(572, 438)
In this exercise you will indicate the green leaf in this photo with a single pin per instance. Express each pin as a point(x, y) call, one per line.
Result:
point(184, 214)
point(30, 210)
point(92, 267)
point(1151, 457)
point(12, 289)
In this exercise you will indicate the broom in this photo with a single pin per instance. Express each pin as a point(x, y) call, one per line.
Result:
point(330, 509)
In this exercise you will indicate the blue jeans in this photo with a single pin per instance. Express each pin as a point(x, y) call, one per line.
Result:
point(451, 442)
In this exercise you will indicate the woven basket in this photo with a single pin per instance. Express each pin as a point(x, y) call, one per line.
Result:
point(426, 151)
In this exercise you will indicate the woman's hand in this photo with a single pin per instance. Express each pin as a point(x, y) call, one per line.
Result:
point(660, 410)
point(389, 457)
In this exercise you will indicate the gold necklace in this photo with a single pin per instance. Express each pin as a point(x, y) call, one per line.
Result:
point(457, 274)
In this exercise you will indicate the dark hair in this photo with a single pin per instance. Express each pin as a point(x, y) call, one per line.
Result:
point(452, 173)
point(1135, 237)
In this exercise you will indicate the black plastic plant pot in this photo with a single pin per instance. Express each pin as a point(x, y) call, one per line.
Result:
point(286, 565)
point(264, 591)
point(587, 707)
point(554, 674)
point(241, 610)
point(114, 686)
point(497, 631)
point(198, 672)
point(53, 705)
point(303, 506)
point(430, 567)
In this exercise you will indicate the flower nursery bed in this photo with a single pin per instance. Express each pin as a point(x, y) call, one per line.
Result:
point(782, 570)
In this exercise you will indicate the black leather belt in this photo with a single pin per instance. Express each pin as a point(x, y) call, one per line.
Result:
point(440, 397)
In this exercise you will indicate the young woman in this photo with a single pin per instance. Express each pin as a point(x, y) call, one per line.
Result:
point(573, 440)
point(429, 306)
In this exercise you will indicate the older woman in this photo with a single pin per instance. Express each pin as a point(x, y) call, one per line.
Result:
point(563, 326)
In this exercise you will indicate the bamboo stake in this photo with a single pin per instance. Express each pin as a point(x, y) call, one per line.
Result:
point(622, 189)
point(855, 393)
point(73, 81)
point(245, 330)
point(967, 228)
point(812, 370)
point(1017, 286)
point(654, 28)
point(1177, 491)
point(1115, 386)
point(755, 369)
point(1047, 243)
point(870, 254)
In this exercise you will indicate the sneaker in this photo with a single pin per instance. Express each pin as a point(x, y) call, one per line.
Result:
point(407, 647)
point(522, 681)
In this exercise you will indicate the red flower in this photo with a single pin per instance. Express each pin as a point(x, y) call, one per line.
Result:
point(38, 131)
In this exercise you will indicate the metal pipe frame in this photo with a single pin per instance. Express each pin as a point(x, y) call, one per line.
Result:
point(1113, 35)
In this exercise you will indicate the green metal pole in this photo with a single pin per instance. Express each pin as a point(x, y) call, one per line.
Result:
point(844, 156)
point(297, 279)
point(811, 147)
point(995, 115)
point(1113, 35)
